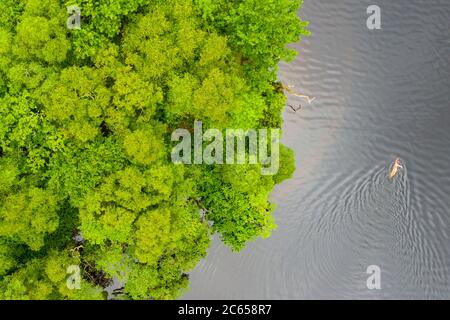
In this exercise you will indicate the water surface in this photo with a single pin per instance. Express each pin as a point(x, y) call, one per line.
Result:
point(380, 94)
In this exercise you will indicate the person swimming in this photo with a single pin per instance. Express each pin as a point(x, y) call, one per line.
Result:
point(395, 167)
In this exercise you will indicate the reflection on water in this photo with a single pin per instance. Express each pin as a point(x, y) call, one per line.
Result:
point(380, 95)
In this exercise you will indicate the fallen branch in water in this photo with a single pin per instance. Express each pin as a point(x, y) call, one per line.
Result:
point(289, 89)
point(295, 109)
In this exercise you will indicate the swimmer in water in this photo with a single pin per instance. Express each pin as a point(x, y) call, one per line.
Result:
point(394, 169)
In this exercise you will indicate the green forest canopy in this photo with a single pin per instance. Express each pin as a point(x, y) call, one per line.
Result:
point(85, 123)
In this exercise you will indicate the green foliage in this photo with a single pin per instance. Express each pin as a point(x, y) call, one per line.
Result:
point(237, 200)
point(29, 216)
point(40, 32)
point(44, 279)
point(287, 169)
point(259, 30)
point(7, 260)
point(85, 123)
